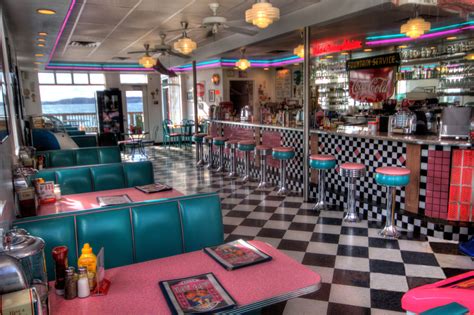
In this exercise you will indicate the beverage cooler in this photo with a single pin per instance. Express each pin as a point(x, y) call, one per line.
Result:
point(110, 111)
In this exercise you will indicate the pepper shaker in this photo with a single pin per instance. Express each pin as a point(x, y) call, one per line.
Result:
point(71, 284)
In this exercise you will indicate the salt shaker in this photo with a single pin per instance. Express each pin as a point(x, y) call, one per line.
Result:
point(83, 289)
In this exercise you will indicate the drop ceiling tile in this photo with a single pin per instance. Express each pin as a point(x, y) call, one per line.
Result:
point(100, 14)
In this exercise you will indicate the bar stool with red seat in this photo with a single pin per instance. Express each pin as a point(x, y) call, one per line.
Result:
point(246, 146)
point(352, 171)
point(392, 177)
point(210, 154)
point(283, 154)
point(220, 143)
point(263, 151)
point(232, 146)
point(322, 163)
point(198, 138)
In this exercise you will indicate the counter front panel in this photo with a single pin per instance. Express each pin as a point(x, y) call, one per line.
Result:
point(437, 202)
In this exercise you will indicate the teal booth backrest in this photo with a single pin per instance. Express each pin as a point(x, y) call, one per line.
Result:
point(76, 180)
point(81, 156)
point(133, 233)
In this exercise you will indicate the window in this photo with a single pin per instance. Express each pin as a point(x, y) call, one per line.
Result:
point(70, 97)
point(81, 78)
point(133, 79)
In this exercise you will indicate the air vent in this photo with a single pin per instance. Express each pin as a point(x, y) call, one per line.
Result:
point(120, 58)
point(277, 52)
point(82, 43)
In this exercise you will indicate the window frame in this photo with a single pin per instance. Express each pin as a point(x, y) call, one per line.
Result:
point(72, 78)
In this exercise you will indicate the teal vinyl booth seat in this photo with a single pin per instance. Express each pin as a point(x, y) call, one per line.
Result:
point(76, 180)
point(134, 232)
point(81, 156)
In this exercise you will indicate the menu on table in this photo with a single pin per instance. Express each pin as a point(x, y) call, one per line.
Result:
point(237, 254)
point(153, 188)
point(113, 200)
point(196, 294)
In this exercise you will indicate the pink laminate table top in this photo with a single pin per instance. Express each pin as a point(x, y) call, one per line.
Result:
point(88, 200)
point(135, 289)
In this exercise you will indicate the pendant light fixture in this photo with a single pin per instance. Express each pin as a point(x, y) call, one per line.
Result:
point(185, 45)
point(262, 14)
point(243, 64)
point(146, 60)
point(299, 50)
point(415, 27)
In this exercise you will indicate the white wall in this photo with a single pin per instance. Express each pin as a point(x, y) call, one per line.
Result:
point(203, 76)
point(33, 99)
point(9, 147)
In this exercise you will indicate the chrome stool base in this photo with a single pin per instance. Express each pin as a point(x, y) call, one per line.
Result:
point(390, 230)
point(351, 217)
point(247, 177)
point(263, 185)
point(282, 190)
point(322, 205)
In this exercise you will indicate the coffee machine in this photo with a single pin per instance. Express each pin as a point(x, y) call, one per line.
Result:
point(456, 122)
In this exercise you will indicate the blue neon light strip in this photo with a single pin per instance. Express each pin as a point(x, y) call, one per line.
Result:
point(433, 30)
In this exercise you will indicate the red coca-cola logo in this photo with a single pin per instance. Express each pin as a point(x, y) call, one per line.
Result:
point(372, 85)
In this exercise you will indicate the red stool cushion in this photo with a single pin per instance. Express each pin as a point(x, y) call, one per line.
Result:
point(247, 142)
point(283, 149)
point(263, 147)
point(322, 157)
point(232, 141)
point(393, 171)
point(352, 166)
point(208, 137)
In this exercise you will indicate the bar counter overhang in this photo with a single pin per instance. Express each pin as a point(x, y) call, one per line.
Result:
point(437, 201)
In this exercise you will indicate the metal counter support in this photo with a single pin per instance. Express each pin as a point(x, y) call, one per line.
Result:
point(196, 116)
point(306, 115)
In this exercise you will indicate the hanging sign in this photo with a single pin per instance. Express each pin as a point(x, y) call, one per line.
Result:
point(327, 47)
point(389, 60)
point(373, 79)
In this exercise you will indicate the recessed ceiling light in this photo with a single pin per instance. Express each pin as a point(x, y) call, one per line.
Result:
point(266, 69)
point(40, 45)
point(42, 34)
point(46, 11)
point(41, 39)
point(403, 46)
point(368, 50)
point(451, 38)
point(39, 55)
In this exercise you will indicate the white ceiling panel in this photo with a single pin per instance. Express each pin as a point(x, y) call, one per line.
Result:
point(100, 14)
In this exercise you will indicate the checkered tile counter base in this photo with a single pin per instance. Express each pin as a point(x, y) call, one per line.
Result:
point(370, 197)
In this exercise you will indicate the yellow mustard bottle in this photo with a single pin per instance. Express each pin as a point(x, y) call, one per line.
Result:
point(87, 259)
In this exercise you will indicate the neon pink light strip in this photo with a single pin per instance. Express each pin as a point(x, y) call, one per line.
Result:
point(97, 68)
point(408, 39)
point(61, 30)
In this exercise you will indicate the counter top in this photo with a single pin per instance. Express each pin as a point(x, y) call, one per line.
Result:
point(135, 290)
point(363, 132)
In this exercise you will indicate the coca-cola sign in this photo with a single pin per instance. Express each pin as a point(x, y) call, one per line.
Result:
point(372, 85)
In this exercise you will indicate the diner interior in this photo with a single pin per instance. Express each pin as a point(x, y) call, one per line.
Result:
point(237, 157)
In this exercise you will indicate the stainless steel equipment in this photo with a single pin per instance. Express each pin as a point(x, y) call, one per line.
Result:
point(29, 250)
point(299, 117)
point(404, 122)
point(245, 113)
point(12, 276)
point(455, 122)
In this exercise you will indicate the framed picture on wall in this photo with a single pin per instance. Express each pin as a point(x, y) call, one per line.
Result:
point(212, 95)
point(190, 95)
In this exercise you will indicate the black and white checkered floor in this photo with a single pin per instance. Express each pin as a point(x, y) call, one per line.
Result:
point(362, 273)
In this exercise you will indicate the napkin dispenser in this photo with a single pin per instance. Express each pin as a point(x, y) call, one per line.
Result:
point(455, 122)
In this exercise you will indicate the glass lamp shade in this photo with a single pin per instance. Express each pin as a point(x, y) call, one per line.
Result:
point(185, 45)
point(299, 51)
point(147, 61)
point(416, 27)
point(469, 56)
point(243, 64)
point(262, 14)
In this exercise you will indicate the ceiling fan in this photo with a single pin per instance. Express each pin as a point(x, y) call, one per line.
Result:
point(214, 23)
point(160, 49)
